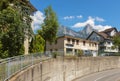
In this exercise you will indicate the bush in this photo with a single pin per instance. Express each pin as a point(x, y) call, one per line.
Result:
point(80, 53)
point(117, 54)
point(54, 54)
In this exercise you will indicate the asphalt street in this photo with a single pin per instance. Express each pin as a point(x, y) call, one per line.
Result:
point(109, 75)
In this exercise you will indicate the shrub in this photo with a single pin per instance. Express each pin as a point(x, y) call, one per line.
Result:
point(117, 54)
point(80, 53)
point(54, 54)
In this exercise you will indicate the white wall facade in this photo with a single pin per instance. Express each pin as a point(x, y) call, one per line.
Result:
point(109, 47)
point(72, 46)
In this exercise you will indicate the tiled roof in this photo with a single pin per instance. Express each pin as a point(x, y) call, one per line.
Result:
point(109, 30)
point(103, 35)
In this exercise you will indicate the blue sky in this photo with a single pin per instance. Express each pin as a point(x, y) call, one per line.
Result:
point(101, 14)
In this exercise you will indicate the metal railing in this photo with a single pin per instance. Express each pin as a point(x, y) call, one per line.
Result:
point(10, 66)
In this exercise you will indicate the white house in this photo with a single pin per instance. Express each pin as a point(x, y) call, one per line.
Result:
point(104, 39)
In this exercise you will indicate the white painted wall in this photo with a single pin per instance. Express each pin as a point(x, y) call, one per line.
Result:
point(113, 33)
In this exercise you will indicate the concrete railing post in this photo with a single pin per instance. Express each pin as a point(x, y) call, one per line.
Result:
point(41, 69)
point(32, 59)
point(8, 69)
point(21, 64)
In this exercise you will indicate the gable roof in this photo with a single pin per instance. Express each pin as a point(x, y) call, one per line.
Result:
point(109, 30)
point(104, 35)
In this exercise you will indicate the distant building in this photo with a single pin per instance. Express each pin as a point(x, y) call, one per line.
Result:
point(70, 45)
point(105, 40)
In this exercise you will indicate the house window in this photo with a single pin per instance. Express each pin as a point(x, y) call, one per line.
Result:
point(95, 44)
point(107, 48)
point(110, 48)
point(77, 42)
point(83, 43)
point(69, 45)
point(68, 40)
point(109, 43)
point(73, 41)
point(69, 51)
point(90, 44)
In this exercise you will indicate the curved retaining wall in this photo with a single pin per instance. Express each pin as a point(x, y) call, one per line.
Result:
point(66, 69)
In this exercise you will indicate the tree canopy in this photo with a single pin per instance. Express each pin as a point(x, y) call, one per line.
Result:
point(37, 44)
point(50, 26)
point(12, 28)
point(116, 41)
point(15, 25)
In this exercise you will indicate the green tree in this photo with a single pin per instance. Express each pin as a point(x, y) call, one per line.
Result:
point(24, 8)
point(50, 26)
point(15, 26)
point(3, 54)
point(116, 41)
point(4, 4)
point(80, 53)
point(12, 32)
point(37, 44)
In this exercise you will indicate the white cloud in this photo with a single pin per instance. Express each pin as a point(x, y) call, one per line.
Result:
point(82, 24)
point(101, 27)
point(91, 21)
point(38, 18)
point(99, 19)
point(72, 17)
point(68, 17)
point(79, 17)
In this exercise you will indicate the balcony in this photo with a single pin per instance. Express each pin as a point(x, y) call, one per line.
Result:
point(70, 45)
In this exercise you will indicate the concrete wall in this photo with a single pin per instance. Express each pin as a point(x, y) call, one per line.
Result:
point(66, 69)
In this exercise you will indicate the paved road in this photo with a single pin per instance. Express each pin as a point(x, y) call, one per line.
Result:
point(109, 75)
